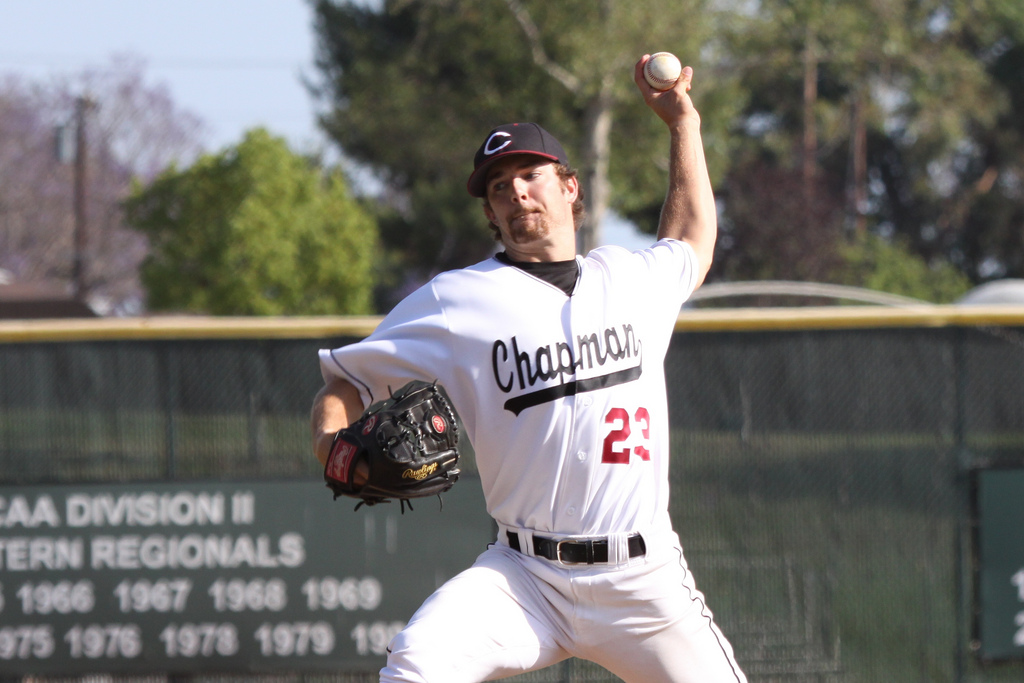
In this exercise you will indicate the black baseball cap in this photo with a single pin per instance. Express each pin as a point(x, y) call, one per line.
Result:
point(512, 138)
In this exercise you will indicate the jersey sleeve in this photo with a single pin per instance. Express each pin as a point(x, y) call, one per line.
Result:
point(667, 270)
point(674, 268)
point(410, 343)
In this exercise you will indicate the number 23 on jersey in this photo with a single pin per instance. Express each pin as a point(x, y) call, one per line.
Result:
point(627, 429)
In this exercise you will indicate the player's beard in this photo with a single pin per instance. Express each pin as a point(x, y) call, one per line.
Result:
point(528, 227)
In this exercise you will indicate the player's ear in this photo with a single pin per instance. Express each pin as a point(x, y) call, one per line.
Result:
point(571, 187)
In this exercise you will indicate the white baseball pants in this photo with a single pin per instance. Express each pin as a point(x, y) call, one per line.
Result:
point(644, 621)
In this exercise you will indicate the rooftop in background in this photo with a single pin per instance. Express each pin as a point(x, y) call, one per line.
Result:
point(39, 300)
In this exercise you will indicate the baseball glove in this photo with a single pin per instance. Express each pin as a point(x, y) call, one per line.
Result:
point(409, 442)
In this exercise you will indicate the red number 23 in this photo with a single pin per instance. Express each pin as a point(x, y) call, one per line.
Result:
point(618, 456)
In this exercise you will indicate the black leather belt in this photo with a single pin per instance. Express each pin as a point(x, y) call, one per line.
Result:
point(576, 551)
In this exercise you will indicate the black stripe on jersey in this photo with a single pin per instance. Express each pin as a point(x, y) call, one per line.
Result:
point(578, 386)
point(350, 378)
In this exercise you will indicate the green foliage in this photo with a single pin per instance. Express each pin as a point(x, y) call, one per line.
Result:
point(255, 230)
point(934, 87)
point(900, 118)
point(890, 266)
point(414, 87)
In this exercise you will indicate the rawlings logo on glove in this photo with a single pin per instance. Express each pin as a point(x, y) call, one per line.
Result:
point(408, 442)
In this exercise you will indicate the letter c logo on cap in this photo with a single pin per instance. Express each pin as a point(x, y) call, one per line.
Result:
point(495, 138)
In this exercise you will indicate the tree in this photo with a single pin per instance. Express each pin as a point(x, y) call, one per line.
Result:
point(414, 85)
point(872, 262)
point(133, 130)
point(979, 220)
point(823, 120)
point(877, 107)
point(255, 230)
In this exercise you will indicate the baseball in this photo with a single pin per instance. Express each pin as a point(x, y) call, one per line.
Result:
point(662, 70)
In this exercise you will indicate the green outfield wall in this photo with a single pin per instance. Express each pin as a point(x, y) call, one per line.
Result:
point(846, 482)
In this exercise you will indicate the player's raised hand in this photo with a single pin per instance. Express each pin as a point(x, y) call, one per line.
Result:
point(673, 106)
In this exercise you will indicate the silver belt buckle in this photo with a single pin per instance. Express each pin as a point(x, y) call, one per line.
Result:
point(590, 550)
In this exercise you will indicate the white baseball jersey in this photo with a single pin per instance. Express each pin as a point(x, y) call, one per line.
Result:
point(563, 397)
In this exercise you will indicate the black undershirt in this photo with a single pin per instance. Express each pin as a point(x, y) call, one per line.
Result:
point(561, 274)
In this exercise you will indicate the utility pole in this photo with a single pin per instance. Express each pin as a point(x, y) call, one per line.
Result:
point(810, 141)
point(83, 105)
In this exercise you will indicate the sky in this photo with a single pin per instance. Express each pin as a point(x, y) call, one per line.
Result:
point(236, 64)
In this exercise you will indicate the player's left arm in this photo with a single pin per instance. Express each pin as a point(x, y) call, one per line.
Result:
point(336, 406)
point(688, 213)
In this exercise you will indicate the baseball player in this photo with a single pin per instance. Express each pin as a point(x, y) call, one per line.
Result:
point(555, 363)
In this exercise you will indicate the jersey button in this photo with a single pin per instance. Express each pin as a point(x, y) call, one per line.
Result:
point(571, 510)
point(581, 456)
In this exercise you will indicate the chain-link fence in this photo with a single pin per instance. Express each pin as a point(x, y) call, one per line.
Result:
point(820, 472)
